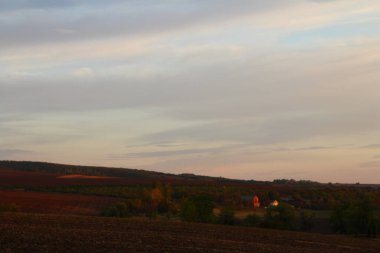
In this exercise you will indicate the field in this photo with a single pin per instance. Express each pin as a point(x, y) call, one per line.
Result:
point(17, 178)
point(55, 233)
point(11, 178)
point(244, 212)
point(14, 173)
point(36, 202)
point(60, 207)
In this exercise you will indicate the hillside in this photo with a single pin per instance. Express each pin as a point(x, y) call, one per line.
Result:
point(84, 170)
point(136, 174)
point(135, 184)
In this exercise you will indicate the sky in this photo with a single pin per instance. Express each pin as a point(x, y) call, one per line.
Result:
point(245, 89)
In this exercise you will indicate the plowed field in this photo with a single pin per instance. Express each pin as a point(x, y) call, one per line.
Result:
point(14, 178)
point(36, 202)
point(11, 178)
point(54, 233)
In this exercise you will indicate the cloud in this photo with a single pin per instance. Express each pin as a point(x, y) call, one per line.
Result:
point(12, 153)
point(372, 146)
point(84, 72)
point(172, 153)
point(97, 19)
point(313, 148)
point(272, 130)
point(19, 5)
point(245, 84)
point(56, 22)
point(371, 164)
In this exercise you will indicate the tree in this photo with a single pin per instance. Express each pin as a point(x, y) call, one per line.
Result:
point(356, 218)
point(273, 195)
point(188, 211)
point(337, 219)
point(307, 220)
point(197, 209)
point(280, 217)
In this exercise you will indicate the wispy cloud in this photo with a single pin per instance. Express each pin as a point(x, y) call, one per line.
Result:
point(169, 153)
point(12, 153)
point(372, 146)
point(372, 164)
point(314, 148)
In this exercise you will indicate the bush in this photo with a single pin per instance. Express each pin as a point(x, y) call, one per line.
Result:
point(279, 217)
point(197, 209)
point(307, 220)
point(357, 218)
point(227, 216)
point(252, 220)
point(188, 211)
point(9, 208)
point(337, 219)
point(120, 210)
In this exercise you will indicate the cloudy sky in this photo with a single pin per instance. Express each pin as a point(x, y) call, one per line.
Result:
point(246, 89)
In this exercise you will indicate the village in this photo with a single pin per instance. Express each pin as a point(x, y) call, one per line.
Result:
point(254, 201)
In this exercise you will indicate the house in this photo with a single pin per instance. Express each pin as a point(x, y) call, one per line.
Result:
point(251, 201)
point(274, 203)
point(256, 202)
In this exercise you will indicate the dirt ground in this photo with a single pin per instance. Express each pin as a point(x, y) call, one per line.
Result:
point(57, 203)
point(56, 233)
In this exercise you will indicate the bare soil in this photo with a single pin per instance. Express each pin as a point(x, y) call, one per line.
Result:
point(55, 233)
point(57, 203)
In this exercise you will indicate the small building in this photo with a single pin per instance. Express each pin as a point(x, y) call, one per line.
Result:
point(274, 203)
point(251, 201)
point(256, 202)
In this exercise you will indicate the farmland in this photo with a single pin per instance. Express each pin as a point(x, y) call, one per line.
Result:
point(56, 233)
point(14, 178)
point(35, 202)
point(58, 208)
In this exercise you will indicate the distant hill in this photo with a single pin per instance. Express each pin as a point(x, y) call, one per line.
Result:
point(77, 169)
point(63, 169)
point(136, 174)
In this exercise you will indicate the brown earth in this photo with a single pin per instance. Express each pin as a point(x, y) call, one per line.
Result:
point(13, 178)
point(19, 178)
point(37, 202)
point(84, 177)
point(54, 233)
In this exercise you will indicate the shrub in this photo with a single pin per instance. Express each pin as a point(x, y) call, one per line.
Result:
point(252, 220)
point(197, 209)
point(356, 218)
point(119, 210)
point(307, 220)
point(188, 211)
point(279, 217)
point(227, 216)
point(9, 208)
